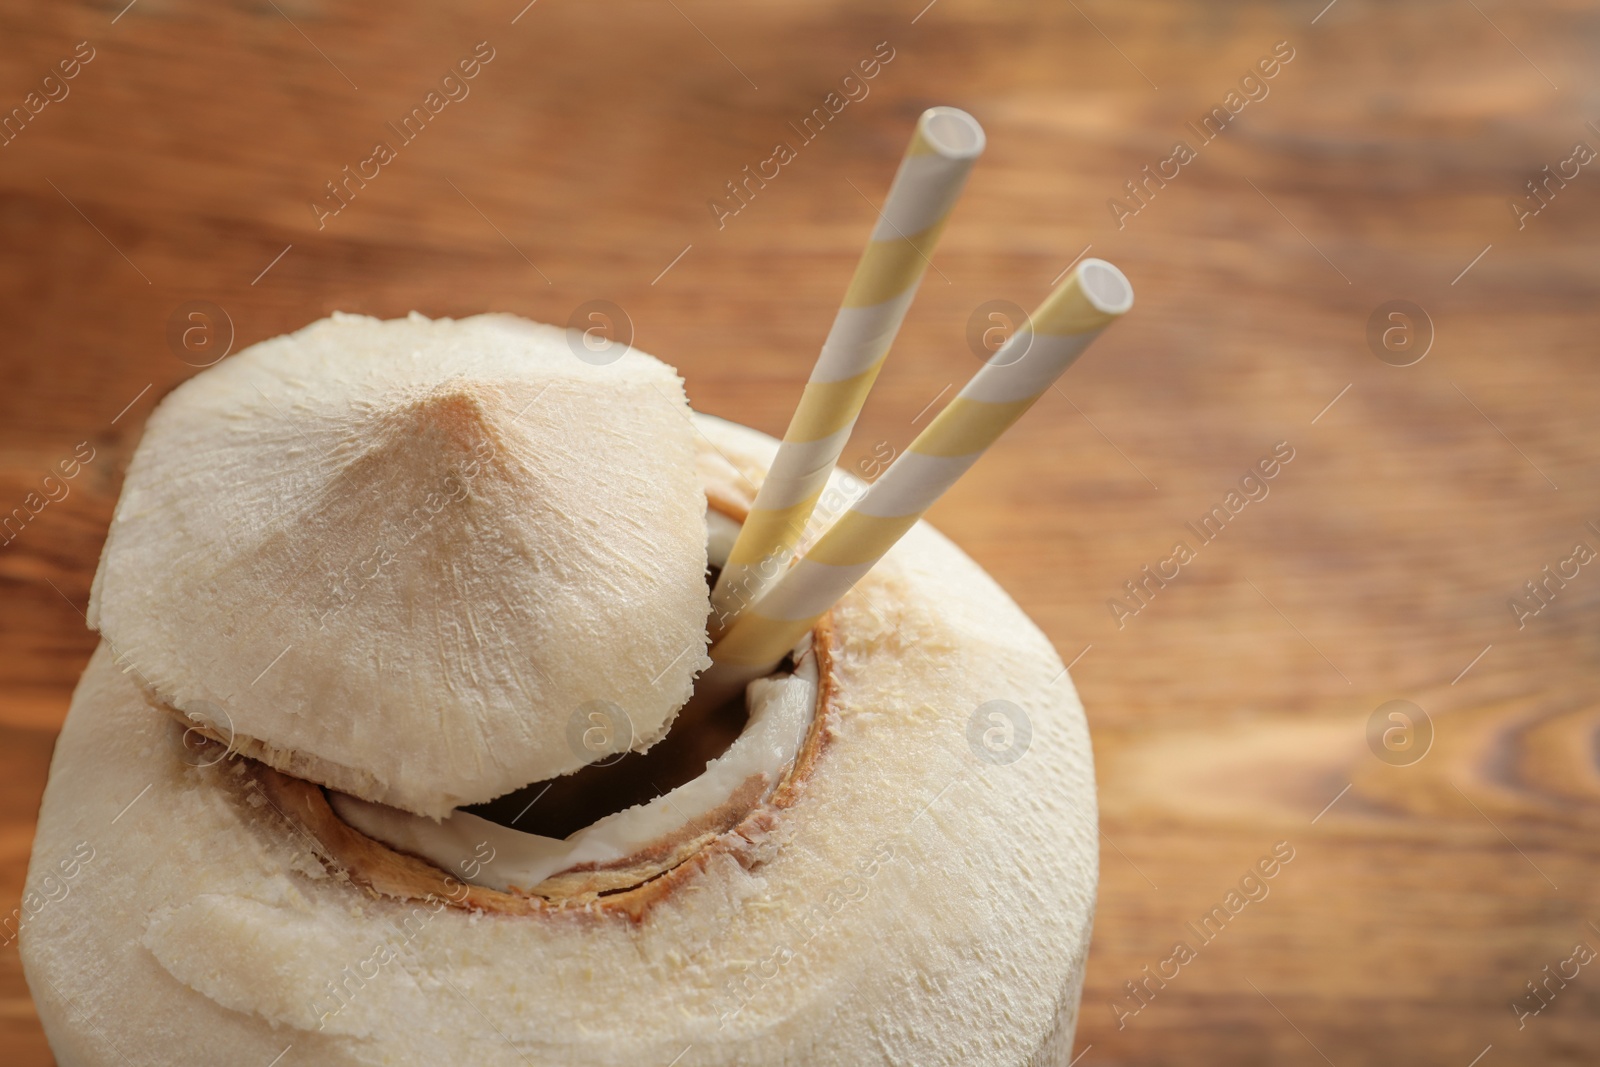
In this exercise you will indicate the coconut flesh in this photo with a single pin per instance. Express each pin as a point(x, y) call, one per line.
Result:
point(781, 709)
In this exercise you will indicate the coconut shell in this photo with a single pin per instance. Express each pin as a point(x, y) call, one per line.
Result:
point(397, 558)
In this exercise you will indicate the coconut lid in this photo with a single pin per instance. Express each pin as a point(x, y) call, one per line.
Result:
point(412, 559)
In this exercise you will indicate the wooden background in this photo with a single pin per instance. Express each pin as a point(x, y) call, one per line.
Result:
point(1232, 710)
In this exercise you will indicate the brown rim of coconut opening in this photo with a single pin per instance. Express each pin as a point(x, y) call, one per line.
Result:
point(627, 886)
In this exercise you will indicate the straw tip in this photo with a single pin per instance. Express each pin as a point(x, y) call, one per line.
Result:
point(951, 133)
point(1105, 287)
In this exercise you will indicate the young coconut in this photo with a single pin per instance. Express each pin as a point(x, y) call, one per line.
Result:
point(894, 888)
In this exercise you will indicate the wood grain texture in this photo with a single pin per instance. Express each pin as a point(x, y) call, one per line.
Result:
point(1231, 710)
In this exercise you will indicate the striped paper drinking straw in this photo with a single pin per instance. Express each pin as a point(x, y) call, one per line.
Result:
point(947, 143)
point(1003, 389)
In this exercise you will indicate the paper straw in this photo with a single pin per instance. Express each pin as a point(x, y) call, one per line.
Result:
point(1003, 389)
point(946, 144)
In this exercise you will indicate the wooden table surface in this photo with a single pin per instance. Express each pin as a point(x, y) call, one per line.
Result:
point(1232, 712)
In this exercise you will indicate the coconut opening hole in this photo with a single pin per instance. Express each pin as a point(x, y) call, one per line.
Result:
point(562, 806)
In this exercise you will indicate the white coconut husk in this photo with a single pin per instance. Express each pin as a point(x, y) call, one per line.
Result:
point(907, 902)
point(398, 558)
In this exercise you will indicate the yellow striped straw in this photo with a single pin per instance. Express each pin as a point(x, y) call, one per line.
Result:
point(1007, 385)
point(946, 144)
